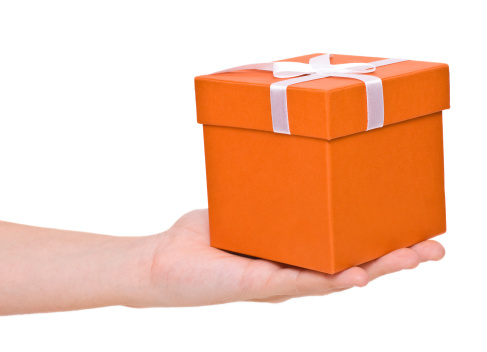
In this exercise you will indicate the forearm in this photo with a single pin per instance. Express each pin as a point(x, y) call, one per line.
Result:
point(44, 270)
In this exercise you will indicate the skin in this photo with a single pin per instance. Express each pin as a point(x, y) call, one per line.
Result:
point(47, 270)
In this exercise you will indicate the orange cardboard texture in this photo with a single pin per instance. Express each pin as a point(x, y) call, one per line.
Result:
point(331, 195)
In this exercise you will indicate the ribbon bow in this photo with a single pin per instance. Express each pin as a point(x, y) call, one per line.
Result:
point(317, 68)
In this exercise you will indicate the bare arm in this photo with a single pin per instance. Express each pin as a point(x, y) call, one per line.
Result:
point(45, 270)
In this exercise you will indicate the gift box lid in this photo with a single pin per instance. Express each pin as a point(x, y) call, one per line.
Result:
point(325, 108)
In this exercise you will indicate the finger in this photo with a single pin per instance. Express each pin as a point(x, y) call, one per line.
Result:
point(283, 298)
point(302, 282)
point(404, 258)
point(429, 250)
point(195, 223)
point(273, 299)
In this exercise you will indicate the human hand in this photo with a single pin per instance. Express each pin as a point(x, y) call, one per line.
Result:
point(48, 270)
point(186, 271)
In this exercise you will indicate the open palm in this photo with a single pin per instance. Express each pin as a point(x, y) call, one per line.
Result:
point(187, 271)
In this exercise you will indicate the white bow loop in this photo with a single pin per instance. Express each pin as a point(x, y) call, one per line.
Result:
point(286, 69)
point(347, 69)
point(296, 69)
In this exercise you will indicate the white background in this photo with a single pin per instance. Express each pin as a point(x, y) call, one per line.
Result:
point(98, 133)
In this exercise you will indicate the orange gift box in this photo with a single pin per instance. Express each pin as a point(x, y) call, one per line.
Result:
point(331, 194)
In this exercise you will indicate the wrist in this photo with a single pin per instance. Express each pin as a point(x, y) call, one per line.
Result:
point(131, 286)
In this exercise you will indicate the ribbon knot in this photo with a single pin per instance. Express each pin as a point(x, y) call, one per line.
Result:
point(296, 69)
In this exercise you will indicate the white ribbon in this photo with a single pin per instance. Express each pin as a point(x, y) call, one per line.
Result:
point(320, 67)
